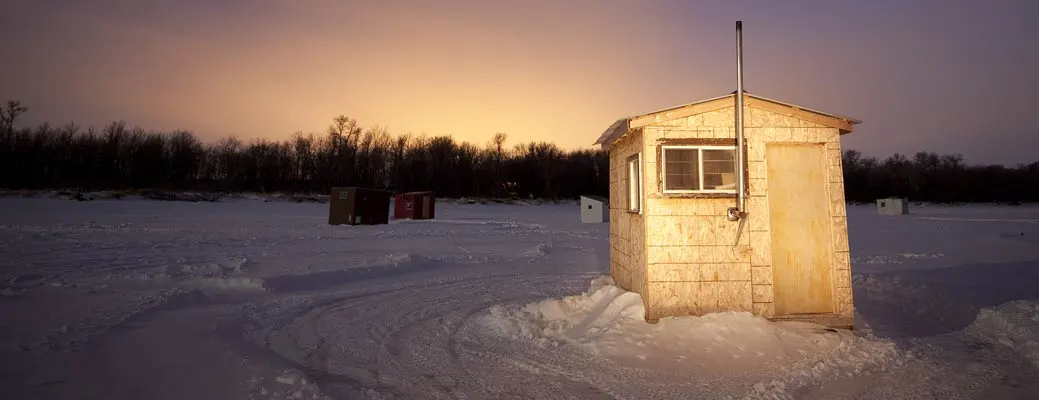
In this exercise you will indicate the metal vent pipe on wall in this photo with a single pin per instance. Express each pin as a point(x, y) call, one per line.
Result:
point(738, 212)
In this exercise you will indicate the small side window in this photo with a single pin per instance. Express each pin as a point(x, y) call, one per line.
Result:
point(634, 185)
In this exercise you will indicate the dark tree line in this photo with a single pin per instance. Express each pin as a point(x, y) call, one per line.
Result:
point(937, 178)
point(119, 157)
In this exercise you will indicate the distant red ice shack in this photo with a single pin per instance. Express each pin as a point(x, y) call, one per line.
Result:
point(414, 205)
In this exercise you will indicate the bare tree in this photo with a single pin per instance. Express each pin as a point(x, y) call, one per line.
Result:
point(9, 114)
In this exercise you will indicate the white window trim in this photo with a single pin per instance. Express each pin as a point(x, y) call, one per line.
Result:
point(640, 190)
point(699, 159)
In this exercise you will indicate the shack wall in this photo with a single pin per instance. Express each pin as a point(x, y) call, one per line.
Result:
point(694, 264)
point(627, 229)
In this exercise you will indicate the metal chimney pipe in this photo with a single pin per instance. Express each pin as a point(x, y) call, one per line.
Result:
point(738, 212)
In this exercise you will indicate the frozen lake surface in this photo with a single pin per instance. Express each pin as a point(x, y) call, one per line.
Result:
point(243, 299)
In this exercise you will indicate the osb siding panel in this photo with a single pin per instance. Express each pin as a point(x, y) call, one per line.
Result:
point(616, 175)
point(776, 134)
point(765, 309)
point(700, 272)
point(755, 150)
point(638, 253)
point(758, 185)
point(757, 169)
point(843, 278)
point(715, 124)
point(625, 232)
point(620, 274)
point(652, 134)
point(638, 221)
point(723, 118)
point(809, 124)
point(838, 206)
point(835, 173)
point(810, 135)
point(834, 156)
point(670, 206)
point(842, 260)
point(701, 132)
point(761, 275)
point(621, 244)
point(838, 212)
point(757, 214)
point(763, 294)
point(697, 298)
point(832, 135)
point(761, 249)
point(698, 254)
point(756, 122)
point(757, 118)
point(652, 180)
point(693, 231)
point(848, 310)
point(844, 296)
point(690, 121)
point(840, 234)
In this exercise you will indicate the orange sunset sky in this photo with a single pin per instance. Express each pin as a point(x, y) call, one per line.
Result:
point(958, 76)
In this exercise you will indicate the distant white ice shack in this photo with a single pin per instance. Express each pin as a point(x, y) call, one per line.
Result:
point(595, 209)
point(893, 206)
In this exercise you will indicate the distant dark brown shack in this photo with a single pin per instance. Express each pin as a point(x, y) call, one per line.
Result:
point(358, 206)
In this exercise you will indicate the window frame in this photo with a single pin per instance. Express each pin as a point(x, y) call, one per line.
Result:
point(634, 162)
point(700, 178)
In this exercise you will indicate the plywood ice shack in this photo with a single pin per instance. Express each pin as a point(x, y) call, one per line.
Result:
point(358, 206)
point(595, 209)
point(673, 176)
point(892, 206)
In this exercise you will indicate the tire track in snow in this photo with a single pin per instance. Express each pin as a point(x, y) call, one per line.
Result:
point(416, 341)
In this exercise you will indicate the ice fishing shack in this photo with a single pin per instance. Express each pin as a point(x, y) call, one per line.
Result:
point(414, 205)
point(358, 206)
point(734, 203)
point(594, 209)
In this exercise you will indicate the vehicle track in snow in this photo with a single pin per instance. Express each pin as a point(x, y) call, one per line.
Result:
point(418, 341)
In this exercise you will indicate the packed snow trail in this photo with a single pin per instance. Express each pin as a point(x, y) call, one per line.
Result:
point(264, 300)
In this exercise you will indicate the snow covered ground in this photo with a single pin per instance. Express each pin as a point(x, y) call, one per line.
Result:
point(246, 299)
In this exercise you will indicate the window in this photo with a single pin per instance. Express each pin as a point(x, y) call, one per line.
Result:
point(634, 185)
point(699, 169)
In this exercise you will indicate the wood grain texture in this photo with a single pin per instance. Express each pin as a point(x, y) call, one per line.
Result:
point(800, 227)
point(697, 298)
point(698, 254)
point(699, 272)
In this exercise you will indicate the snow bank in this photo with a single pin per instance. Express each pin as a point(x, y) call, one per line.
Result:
point(608, 321)
point(1014, 325)
point(541, 250)
point(229, 274)
point(289, 384)
point(588, 319)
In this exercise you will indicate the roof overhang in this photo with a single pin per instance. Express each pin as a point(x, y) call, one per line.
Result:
point(623, 125)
